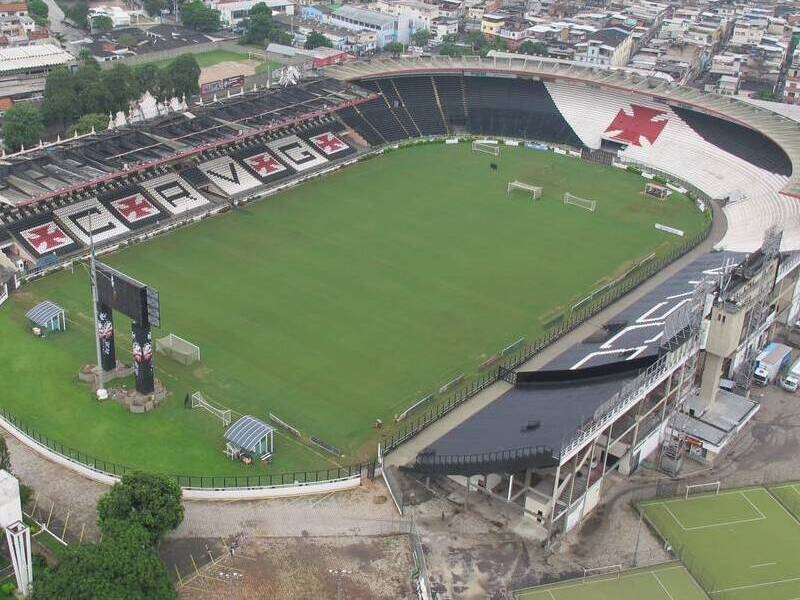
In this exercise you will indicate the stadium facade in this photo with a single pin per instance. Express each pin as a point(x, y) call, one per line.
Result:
point(604, 405)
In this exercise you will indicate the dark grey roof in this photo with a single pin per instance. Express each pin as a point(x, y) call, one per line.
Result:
point(560, 409)
point(43, 313)
point(247, 432)
point(612, 36)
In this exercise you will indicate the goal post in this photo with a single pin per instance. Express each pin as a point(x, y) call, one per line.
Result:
point(590, 205)
point(486, 148)
point(535, 190)
point(702, 489)
point(611, 571)
point(178, 349)
point(223, 414)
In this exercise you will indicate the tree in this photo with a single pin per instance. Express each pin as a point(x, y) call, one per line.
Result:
point(127, 40)
point(421, 37)
point(98, 121)
point(499, 44)
point(316, 40)
point(196, 15)
point(154, 7)
point(60, 103)
point(38, 11)
point(453, 49)
point(151, 501)
point(259, 26)
point(102, 23)
point(78, 13)
point(123, 565)
point(22, 125)
point(396, 48)
point(183, 76)
point(121, 86)
point(147, 78)
point(534, 48)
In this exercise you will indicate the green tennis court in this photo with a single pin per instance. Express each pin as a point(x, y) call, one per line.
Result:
point(739, 544)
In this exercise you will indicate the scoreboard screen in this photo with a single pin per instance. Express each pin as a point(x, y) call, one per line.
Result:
point(125, 294)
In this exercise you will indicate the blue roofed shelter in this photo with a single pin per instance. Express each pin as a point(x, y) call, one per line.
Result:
point(250, 436)
point(48, 316)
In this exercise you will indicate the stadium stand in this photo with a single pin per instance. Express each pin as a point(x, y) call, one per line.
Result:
point(516, 109)
point(450, 89)
point(419, 98)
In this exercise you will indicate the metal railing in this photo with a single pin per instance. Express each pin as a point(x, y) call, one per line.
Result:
point(192, 482)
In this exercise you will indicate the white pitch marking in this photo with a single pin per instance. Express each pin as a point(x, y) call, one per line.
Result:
point(662, 586)
point(615, 337)
point(755, 585)
point(647, 318)
point(759, 565)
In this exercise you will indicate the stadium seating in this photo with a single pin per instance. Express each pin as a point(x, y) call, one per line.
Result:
point(383, 120)
point(520, 109)
point(419, 98)
point(387, 88)
point(451, 95)
point(357, 122)
point(663, 141)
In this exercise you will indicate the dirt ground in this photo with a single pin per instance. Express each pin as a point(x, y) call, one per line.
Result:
point(367, 567)
point(228, 68)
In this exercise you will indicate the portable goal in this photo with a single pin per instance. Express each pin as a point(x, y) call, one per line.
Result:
point(178, 349)
point(590, 205)
point(702, 489)
point(486, 148)
point(536, 191)
point(223, 414)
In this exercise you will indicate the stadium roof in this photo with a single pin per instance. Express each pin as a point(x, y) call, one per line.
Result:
point(21, 58)
point(247, 432)
point(782, 130)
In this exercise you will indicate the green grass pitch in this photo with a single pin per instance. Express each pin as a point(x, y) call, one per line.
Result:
point(669, 581)
point(339, 302)
point(740, 544)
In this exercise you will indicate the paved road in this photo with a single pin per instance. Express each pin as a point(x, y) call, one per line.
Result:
point(56, 17)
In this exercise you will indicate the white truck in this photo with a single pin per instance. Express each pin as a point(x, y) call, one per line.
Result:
point(791, 381)
point(772, 361)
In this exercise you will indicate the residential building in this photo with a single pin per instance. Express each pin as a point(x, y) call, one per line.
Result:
point(791, 91)
point(412, 15)
point(356, 18)
point(233, 12)
point(492, 23)
point(609, 47)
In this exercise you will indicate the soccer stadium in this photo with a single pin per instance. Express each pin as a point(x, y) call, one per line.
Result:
point(315, 275)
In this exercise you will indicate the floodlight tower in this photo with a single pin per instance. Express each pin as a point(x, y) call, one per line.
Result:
point(18, 534)
point(95, 298)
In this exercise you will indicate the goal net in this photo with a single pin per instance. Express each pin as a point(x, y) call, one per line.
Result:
point(611, 571)
point(486, 148)
point(178, 349)
point(581, 202)
point(535, 191)
point(702, 489)
point(223, 414)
